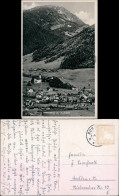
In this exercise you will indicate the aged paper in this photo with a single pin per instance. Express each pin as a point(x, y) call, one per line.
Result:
point(59, 157)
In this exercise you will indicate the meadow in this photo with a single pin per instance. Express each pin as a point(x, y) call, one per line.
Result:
point(76, 77)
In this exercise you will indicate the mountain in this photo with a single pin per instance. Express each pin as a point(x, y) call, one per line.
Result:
point(82, 52)
point(47, 26)
point(78, 51)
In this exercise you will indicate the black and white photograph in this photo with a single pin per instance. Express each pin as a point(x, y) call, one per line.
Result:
point(59, 58)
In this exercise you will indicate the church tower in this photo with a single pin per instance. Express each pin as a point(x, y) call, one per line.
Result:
point(40, 79)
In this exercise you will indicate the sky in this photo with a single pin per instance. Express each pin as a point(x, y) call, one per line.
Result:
point(83, 10)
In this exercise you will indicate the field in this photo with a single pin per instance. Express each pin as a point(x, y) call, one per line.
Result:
point(28, 64)
point(76, 113)
point(77, 77)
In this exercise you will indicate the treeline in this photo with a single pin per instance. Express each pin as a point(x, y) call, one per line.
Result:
point(57, 83)
point(78, 51)
point(83, 56)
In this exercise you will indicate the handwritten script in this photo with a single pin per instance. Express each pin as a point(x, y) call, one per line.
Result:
point(30, 157)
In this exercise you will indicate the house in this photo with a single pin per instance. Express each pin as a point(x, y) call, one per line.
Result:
point(52, 97)
point(27, 103)
point(61, 106)
point(84, 96)
point(89, 90)
point(90, 95)
point(36, 79)
point(57, 97)
point(37, 101)
point(50, 89)
point(70, 107)
point(38, 96)
point(55, 100)
point(45, 97)
point(74, 88)
point(32, 95)
point(30, 91)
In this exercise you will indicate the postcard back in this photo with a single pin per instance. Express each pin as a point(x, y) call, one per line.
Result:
point(59, 157)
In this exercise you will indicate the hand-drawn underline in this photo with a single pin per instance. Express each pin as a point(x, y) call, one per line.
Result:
point(88, 164)
point(92, 180)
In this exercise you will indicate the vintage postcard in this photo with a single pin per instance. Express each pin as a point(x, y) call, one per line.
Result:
point(59, 58)
point(59, 157)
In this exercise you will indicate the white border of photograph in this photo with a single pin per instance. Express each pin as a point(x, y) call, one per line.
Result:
point(96, 62)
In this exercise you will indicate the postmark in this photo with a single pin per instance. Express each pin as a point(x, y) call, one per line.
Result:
point(105, 134)
point(91, 136)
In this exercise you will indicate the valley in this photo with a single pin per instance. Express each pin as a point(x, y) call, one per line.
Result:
point(59, 101)
point(58, 64)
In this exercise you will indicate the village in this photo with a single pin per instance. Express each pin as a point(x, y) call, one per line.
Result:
point(39, 98)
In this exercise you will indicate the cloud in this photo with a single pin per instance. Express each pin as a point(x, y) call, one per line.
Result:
point(28, 5)
point(84, 16)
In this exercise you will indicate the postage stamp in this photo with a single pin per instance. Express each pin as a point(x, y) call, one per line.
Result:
point(105, 134)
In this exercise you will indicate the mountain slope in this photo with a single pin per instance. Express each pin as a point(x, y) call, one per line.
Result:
point(77, 51)
point(82, 54)
point(46, 25)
